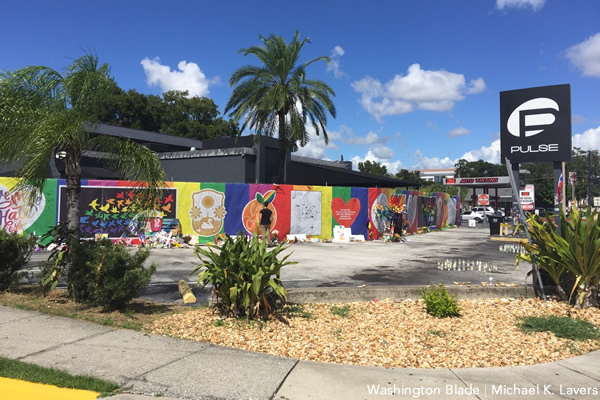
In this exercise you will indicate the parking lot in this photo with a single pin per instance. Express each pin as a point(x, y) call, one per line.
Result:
point(372, 263)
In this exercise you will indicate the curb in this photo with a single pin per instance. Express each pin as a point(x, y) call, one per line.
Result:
point(359, 294)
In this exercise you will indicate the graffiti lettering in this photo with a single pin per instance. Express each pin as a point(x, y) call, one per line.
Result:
point(16, 213)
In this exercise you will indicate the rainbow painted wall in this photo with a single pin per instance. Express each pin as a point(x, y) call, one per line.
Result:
point(208, 209)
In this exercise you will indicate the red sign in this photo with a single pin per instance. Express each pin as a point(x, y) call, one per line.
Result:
point(483, 199)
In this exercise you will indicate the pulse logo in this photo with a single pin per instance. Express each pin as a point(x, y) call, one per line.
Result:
point(535, 124)
point(530, 119)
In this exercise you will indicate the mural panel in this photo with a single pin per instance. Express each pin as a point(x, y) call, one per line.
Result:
point(110, 209)
point(305, 215)
point(208, 209)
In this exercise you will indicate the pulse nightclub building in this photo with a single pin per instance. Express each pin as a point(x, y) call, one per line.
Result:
point(227, 159)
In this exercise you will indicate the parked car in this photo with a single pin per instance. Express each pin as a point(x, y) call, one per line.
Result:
point(488, 211)
point(475, 215)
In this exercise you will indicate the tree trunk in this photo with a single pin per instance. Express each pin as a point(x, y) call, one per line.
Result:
point(73, 173)
point(283, 145)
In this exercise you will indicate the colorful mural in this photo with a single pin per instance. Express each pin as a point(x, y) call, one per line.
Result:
point(109, 208)
point(208, 209)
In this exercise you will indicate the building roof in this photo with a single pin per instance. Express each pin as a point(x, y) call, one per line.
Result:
point(173, 143)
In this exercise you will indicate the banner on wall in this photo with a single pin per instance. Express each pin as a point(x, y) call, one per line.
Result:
point(17, 213)
point(305, 216)
point(208, 209)
point(109, 209)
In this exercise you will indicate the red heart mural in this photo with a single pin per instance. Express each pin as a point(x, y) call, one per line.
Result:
point(345, 213)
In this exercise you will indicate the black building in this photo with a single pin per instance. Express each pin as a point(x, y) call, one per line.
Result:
point(227, 159)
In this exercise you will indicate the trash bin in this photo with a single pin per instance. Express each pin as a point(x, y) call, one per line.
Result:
point(495, 221)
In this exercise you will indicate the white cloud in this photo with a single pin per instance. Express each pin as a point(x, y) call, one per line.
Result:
point(392, 166)
point(476, 86)
point(382, 152)
point(589, 139)
point(418, 89)
point(372, 138)
point(489, 153)
point(189, 77)
point(460, 131)
point(334, 62)
point(432, 162)
point(316, 147)
point(586, 56)
point(535, 4)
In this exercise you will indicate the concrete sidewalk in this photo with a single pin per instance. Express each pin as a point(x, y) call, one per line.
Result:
point(149, 365)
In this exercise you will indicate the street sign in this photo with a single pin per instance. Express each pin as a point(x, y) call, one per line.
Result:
point(527, 196)
point(573, 177)
point(483, 199)
point(535, 124)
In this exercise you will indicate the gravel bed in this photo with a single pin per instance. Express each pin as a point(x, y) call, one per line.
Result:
point(392, 334)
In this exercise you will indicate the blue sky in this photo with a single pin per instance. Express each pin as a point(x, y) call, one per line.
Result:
point(417, 82)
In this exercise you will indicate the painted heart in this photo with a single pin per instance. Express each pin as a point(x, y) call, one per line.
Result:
point(15, 213)
point(345, 213)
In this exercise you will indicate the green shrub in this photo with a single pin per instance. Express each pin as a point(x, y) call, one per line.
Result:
point(15, 250)
point(106, 274)
point(439, 303)
point(562, 327)
point(244, 274)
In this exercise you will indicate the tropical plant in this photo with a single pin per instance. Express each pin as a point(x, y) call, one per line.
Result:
point(44, 115)
point(15, 250)
point(576, 248)
point(244, 274)
point(277, 96)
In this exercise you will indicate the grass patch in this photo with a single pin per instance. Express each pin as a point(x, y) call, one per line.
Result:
point(135, 316)
point(343, 311)
point(33, 373)
point(437, 333)
point(298, 311)
point(562, 327)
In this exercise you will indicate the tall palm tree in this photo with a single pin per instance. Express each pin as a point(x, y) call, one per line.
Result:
point(277, 96)
point(44, 113)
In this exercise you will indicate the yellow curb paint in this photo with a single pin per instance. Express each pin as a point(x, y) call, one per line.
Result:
point(14, 389)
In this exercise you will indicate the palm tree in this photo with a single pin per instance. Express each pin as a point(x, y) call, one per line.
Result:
point(277, 97)
point(44, 113)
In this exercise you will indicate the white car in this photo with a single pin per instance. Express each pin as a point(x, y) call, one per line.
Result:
point(472, 215)
point(488, 211)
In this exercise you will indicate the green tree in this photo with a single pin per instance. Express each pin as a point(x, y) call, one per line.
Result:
point(278, 97)
point(541, 176)
point(174, 114)
point(44, 113)
point(471, 169)
point(410, 176)
point(579, 164)
point(373, 168)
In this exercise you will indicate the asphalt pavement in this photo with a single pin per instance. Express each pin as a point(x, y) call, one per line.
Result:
point(367, 265)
